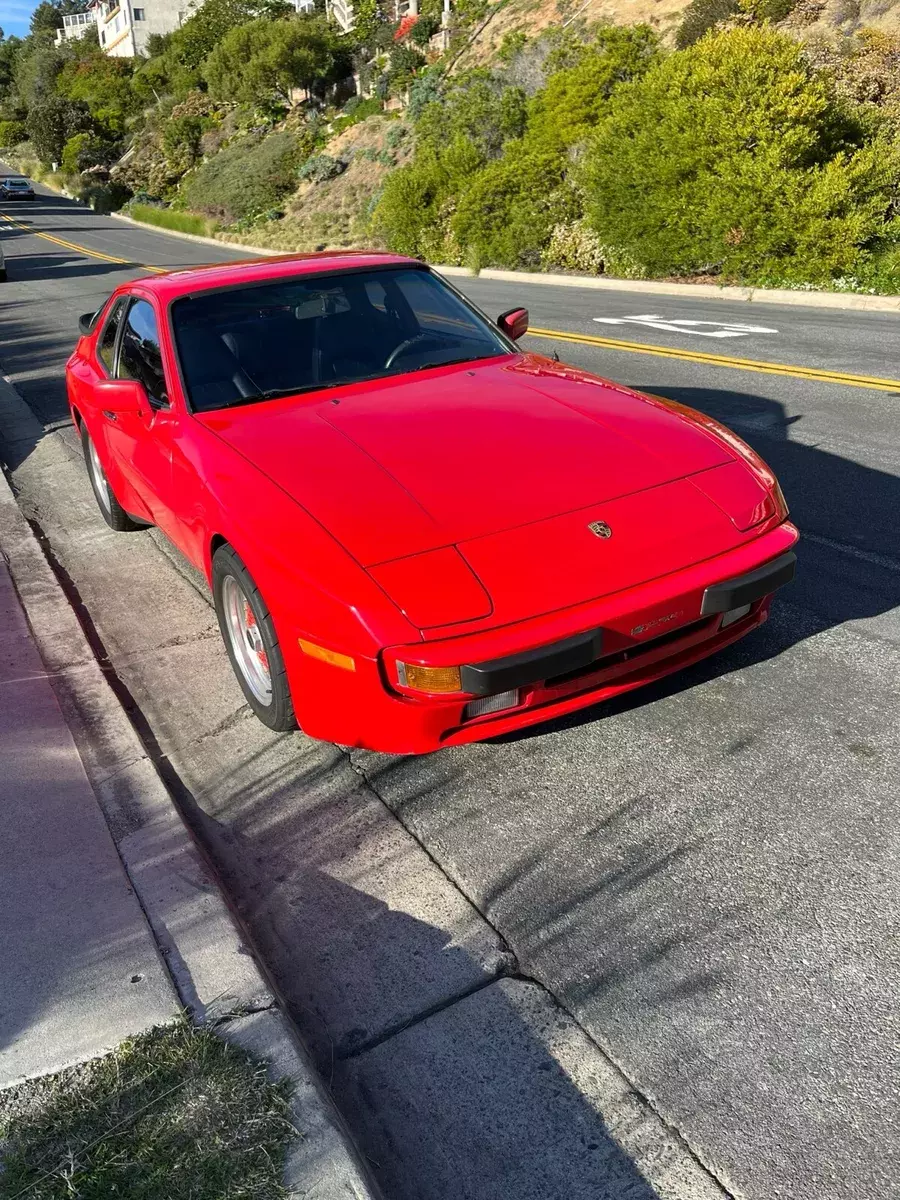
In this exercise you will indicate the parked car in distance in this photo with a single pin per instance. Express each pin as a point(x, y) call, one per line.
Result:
point(15, 188)
point(415, 533)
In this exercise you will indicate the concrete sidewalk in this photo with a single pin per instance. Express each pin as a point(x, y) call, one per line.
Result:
point(79, 968)
point(111, 919)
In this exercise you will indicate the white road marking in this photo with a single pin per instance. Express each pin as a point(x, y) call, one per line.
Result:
point(720, 329)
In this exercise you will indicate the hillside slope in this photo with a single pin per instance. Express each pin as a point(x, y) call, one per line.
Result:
point(809, 18)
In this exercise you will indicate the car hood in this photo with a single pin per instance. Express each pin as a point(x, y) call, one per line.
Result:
point(405, 465)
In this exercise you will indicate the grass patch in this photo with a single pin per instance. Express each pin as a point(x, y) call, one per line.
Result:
point(175, 1114)
point(171, 218)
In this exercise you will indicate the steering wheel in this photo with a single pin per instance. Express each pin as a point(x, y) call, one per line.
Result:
point(405, 345)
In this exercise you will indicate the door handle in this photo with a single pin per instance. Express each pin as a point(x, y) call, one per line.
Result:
point(110, 416)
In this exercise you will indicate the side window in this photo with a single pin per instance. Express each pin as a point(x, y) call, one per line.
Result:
point(140, 357)
point(107, 345)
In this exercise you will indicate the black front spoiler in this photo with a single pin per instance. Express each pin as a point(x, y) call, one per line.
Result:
point(746, 589)
point(559, 658)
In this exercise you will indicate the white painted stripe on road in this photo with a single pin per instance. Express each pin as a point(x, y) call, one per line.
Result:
point(718, 329)
point(868, 556)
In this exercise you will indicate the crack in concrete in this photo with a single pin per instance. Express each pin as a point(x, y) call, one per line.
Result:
point(522, 977)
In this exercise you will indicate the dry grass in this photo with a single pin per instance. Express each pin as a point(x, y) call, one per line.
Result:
point(334, 214)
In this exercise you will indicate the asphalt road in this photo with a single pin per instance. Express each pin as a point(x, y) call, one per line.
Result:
point(705, 875)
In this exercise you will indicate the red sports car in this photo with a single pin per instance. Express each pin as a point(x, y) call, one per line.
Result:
point(415, 533)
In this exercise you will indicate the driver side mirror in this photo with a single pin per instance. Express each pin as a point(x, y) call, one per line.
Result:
point(514, 323)
point(121, 396)
point(86, 322)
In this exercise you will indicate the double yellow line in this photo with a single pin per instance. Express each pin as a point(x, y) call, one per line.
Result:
point(111, 258)
point(724, 360)
point(872, 382)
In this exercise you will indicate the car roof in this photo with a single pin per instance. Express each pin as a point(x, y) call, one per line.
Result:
point(189, 280)
point(16, 179)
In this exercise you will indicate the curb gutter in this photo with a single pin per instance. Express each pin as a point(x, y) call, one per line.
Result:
point(696, 291)
point(215, 974)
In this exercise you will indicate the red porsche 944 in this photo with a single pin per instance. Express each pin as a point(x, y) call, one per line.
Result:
point(416, 534)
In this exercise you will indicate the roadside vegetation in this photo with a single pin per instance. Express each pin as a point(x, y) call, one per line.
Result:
point(738, 148)
point(175, 1114)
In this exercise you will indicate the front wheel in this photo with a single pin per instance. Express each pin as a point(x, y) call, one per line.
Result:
point(251, 641)
point(113, 513)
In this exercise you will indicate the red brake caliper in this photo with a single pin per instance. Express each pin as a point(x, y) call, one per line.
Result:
point(251, 624)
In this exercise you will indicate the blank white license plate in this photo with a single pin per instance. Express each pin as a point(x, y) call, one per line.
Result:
point(734, 614)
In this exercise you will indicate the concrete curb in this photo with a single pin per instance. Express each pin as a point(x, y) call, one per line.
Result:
point(215, 974)
point(196, 237)
point(696, 291)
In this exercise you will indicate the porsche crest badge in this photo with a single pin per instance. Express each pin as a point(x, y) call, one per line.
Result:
point(600, 529)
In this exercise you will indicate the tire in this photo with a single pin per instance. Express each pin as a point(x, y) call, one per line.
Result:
point(251, 641)
point(2, 274)
point(111, 510)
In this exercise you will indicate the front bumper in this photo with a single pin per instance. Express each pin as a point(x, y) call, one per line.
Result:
point(585, 650)
point(559, 662)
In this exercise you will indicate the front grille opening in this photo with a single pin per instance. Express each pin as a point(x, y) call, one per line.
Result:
point(631, 653)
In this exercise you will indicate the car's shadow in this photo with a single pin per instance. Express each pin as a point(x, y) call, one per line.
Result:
point(849, 554)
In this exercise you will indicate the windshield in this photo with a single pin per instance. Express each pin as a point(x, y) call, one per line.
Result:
point(240, 345)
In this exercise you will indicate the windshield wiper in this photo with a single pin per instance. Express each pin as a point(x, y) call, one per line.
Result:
point(280, 393)
point(450, 362)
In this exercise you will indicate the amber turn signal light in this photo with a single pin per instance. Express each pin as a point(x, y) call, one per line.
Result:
point(344, 661)
point(429, 679)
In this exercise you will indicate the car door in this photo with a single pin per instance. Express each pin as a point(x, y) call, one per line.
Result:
point(160, 443)
point(143, 442)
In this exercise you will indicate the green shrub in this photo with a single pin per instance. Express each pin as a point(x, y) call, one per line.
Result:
point(405, 62)
point(731, 156)
point(573, 246)
point(410, 203)
point(395, 135)
point(251, 175)
point(478, 107)
point(360, 107)
point(104, 197)
point(320, 168)
point(12, 133)
point(507, 214)
point(513, 43)
point(169, 218)
point(85, 150)
point(574, 98)
point(423, 30)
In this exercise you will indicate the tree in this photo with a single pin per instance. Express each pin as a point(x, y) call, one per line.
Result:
point(212, 21)
point(10, 49)
point(51, 122)
point(266, 60)
point(37, 66)
point(732, 156)
point(104, 84)
point(46, 18)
